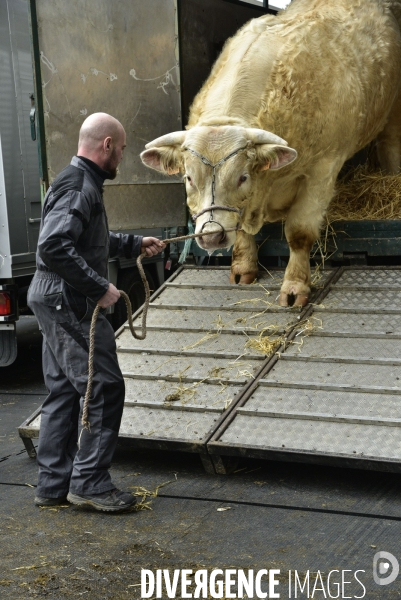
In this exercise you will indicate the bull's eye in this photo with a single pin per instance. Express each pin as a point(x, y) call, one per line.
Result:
point(242, 179)
point(188, 178)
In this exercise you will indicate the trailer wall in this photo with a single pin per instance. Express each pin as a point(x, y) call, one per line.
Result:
point(21, 214)
point(122, 59)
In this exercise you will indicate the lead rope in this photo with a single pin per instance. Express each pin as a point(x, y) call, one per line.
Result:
point(139, 336)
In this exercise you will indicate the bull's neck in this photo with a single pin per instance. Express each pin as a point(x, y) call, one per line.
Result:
point(235, 92)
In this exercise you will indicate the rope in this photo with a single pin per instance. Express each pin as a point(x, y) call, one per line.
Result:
point(139, 336)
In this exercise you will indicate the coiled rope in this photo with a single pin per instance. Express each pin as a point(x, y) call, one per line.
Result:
point(139, 336)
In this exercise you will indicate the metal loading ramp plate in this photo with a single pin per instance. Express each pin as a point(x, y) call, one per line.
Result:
point(334, 395)
point(196, 360)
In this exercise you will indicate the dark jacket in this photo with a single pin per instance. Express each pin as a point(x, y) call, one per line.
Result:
point(74, 240)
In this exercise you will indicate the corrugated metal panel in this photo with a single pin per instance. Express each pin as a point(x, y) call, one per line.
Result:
point(20, 154)
point(194, 377)
point(334, 395)
point(5, 251)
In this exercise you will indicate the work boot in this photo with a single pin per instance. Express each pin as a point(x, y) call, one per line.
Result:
point(111, 501)
point(42, 501)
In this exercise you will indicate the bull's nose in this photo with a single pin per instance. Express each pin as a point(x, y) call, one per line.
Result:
point(212, 239)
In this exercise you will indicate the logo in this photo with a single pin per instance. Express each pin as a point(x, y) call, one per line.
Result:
point(385, 568)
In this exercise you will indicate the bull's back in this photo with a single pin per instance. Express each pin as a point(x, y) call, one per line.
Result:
point(321, 74)
point(238, 80)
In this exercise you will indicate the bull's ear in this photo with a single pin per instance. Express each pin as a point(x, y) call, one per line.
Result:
point(273, 156)
point(166, 159)
point(163, 154)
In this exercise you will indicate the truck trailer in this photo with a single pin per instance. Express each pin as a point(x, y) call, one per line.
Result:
point(224, 372)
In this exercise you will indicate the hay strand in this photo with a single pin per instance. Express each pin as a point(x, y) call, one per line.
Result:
point(144, 493)
point(205, 338)
point(264, 343)
point(365, 195)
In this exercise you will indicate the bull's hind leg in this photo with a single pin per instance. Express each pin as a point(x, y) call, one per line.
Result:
point(244, 265)
point(389, 141)
point(302, 229)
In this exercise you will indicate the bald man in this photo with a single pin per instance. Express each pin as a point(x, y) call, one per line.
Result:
point(74, 247)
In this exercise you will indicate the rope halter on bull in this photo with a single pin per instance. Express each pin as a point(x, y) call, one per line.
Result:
point(213, 205)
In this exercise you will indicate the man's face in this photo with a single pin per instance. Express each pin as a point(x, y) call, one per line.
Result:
point(116, 156)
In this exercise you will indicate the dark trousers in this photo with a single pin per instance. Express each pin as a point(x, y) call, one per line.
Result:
point(63, 466)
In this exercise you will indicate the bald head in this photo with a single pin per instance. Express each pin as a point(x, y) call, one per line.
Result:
point(102, 140)
point(98, 127)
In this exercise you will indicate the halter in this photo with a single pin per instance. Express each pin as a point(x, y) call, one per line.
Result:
point(214, 206)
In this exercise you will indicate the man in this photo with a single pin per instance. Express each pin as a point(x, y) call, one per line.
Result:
point(71, 278)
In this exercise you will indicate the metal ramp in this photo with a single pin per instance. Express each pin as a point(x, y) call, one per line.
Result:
point(330, 392)
point(334, 396)
point(194, 364)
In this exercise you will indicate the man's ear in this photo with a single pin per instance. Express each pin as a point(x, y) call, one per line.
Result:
point(166, 159)
point(272, 156)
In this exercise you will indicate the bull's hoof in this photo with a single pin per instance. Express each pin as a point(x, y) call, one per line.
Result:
point(294, 293)
point(244, 278)
point(293, 300)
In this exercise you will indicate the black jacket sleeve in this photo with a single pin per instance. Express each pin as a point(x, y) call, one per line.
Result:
point(123, 244)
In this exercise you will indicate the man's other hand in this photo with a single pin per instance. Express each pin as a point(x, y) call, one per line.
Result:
point(110, 297)
point(152, 246)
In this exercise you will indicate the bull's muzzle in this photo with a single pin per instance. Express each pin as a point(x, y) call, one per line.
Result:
point(214, 238)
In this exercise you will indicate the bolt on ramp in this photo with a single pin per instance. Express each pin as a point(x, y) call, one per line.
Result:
point(333, 395)
point(197, 359)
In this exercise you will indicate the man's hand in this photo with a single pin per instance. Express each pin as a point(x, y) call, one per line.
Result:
point(110, 297)
point(152, 246)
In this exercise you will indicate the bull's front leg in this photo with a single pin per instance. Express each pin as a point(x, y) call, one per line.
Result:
point(297, 278)
point(244, 265)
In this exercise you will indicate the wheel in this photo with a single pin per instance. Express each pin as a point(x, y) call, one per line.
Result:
point(131, 283)
point(8, 347)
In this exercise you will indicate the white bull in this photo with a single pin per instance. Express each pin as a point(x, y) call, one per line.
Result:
point(324, 76)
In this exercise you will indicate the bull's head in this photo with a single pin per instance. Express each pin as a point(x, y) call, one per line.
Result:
point(222, 167)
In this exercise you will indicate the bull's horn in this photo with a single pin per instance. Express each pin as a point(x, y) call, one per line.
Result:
point(176, 138)
point(260, 136)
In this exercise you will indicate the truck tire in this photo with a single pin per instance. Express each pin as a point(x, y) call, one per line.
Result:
point(8, 347)
point(131, 283)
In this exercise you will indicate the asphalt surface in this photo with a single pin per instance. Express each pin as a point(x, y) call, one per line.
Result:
point(264, 516)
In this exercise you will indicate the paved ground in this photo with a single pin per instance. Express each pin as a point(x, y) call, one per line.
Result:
point(278, 516)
